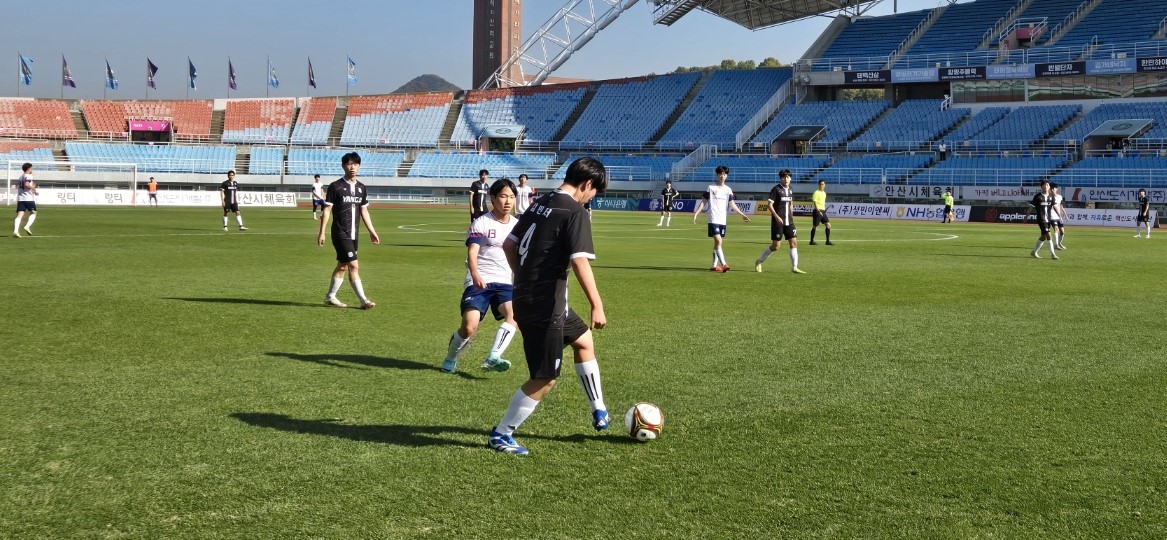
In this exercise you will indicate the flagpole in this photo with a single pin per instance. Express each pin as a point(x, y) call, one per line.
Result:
point(19, 73)
point(228, 77)
point(307, 84)
point(105, 87)
point(188, 64)
point(147, 77)
point(266, 93)
point(62, 75)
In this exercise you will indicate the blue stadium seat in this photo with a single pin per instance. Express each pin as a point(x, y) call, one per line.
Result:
point(723, 107)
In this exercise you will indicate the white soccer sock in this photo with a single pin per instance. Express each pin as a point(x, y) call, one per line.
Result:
point(16, 226)
point(502, 339)
point(1060, 235)
point(721, 255)
point(224, 221)
point(715, 263)
point(457, 343)
point(668, 221)
point(239, 219)
point(32, 218)
point(1052, 246)
point(334, 287)
point(1037, 246)
point(520, 408)
point(794, 257)
point(1148, 229)
point(661, 222)
point(358, 288)
point(765, 255)
point(589, 377)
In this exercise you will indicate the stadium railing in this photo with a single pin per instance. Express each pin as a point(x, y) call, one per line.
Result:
point(988, 56)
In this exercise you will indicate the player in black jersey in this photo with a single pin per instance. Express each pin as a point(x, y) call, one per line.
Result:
point(667, 196)
point(479, 194)
point(781, 204)
point(229, 197)
point(348, 199)
point(1044, 203)
point(554, 234)
point(1144, 216)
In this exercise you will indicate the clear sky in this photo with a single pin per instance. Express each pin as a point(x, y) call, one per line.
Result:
point(391, 41)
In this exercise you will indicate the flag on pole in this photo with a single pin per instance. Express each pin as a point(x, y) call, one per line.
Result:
point(311, 74)
point(352, 72)
point(231, 75)
point(193, 73)
point(151, 69)
point(272, 80)
point(111, 82)
point(66, 77)
point(25, 69)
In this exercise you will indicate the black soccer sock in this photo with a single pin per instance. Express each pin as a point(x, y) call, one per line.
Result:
point(828, 234)
point(812, 230)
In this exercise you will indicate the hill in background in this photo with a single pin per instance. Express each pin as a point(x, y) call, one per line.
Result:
point(427, 83)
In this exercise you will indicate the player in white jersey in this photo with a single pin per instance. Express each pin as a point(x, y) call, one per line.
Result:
point(1058, 217)
point(524, 194)
point(489, 280)
point(26, 201)
point(719, 198)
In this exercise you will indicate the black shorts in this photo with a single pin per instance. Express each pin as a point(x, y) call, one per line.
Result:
point(30, 206)
point(778, 232)
point(819, 216)
point(317, 203)
point(1141, 218)
point(233, 207)
point(716, 230)
point(346, 250)
point(947, 209)
point(1056, 224)
point(543, 343)
point(1043, 226)
point(153, 196)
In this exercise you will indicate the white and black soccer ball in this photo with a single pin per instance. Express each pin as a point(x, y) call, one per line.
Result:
point(644, 422)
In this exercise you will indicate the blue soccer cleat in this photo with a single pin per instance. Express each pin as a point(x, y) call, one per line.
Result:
point(505, 443)
point(600, 420)
point(449, 366)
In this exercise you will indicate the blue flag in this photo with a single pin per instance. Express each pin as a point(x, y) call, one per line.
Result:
point(111, 82)
point(272, 80)
point(311, 74)
point(231, 75)
point(25, 69)
point(193, 73)
point(352, 72)
point(66, 77)
point(151, 69)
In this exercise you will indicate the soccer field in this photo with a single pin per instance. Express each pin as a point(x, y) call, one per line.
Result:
point(163, 379)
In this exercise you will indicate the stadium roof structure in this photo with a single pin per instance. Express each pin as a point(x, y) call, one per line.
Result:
point(757, 14)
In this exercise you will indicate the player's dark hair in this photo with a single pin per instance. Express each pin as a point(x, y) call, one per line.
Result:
point(317, 176)
point(500, 184)
point(721, 169)
point(351, 157)
point(784, 173)
point(1044, 181)
point(231, 172)
point(1053, 185)
point(26, 167)
point(667, 182)
point(584, 169)
point(483, 171)
point(522, 176)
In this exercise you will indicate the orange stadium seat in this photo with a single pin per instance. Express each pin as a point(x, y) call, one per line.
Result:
point(315, 121)
point(191, 120)
point(258, 120)
point(36, 118)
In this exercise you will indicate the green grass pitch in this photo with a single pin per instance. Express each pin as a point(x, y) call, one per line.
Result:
point(163, 379)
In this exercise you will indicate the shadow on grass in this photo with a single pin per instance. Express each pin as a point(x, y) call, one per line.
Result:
point(660, 268)
point(985, 255)
point(252, 301)
point(346, 361)
point(399, 434)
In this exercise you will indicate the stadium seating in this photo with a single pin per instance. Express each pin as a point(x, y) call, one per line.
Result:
point(266, 160)
point(975, 124)
point(1054, 11)
point(1022, 127)
point(1129, 172)
point(866, 39)
point(758, 168)
point(314, 122)
point(624, 114)
point(960, 27)
point(541, 109)
point(467, 165)
point(154, 157)
point(908, 127)
point(49, 119)
point(326, 162)
point(25, 151)
point(399, 120)
point(843, 119)
point(1156, 111)
point(258, 120)
point(646, 167)
point(1117, 21)
point(723, 106)
point(989, 171)
point(875, 168)
point(190, 120)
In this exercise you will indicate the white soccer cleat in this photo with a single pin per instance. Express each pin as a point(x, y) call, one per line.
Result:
point(368, 304)
point(334, 302)
point(796, 270)
point(27, 231)
point(1035, 254)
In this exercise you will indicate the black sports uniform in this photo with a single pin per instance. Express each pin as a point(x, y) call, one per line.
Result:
point(230, 189)
point(1144, 210)
point(1044, 203)
point(346, 201)
point(781, 199)
point(552, 232)
point(479, 192)
point(667, 195)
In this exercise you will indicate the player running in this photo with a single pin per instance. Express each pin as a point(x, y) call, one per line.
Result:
point(552, 235)
point(781, 203)
point(667, 196)
point(719, 198)
point(488, 281)
point(347, 198)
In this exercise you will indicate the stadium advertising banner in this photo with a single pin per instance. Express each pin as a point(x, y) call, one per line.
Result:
point(1075, 216)
point(1157, 63)
point(999, 193)
point(1109, 67)
point(1018, 71)
point(915, 212)
point(1125, 195)
point(915, 75)
point(962, 73)
point(616, 203)
point(125, 197)
point(879, 76)
point(800, 208)
point(1060, 69)
point(679, 205)
point(909, 192)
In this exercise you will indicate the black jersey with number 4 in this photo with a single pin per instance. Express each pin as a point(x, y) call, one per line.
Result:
point(346, 201)
point(1044, 203)
point(230, 188)
point(552, 232)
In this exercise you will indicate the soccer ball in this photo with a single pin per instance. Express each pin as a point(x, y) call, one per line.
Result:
point(644, 422)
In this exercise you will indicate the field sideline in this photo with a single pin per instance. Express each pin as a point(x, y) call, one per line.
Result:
point(163, 379)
